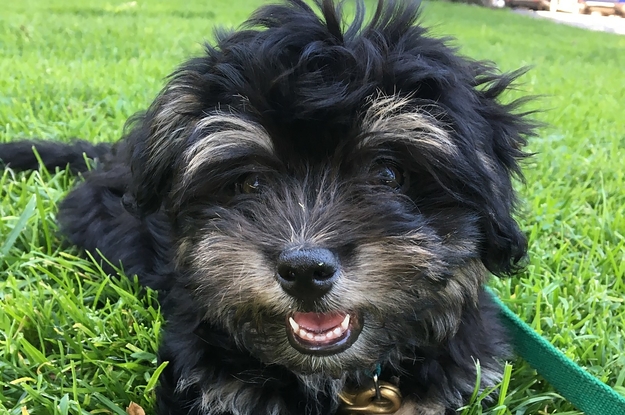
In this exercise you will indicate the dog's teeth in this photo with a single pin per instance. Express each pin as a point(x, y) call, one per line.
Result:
point(345, 323)
point(293, 324)
point(331, 334)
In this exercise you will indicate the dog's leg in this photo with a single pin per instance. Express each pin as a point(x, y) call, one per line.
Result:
point(93, 218)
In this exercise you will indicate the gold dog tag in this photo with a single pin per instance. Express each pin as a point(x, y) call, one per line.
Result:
point(381, 398)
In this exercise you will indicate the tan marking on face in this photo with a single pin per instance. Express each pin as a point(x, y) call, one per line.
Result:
point(229, 132)
point(240, 272)
point(392, 118)
point(400, 268)
point(388, 264)
point(467, 282)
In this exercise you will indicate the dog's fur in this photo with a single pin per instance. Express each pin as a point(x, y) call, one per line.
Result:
point(376, 143)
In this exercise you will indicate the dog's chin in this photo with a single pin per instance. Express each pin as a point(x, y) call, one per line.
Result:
point(323, 334)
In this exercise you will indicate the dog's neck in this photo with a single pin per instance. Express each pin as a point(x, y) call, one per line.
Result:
point(322, 394)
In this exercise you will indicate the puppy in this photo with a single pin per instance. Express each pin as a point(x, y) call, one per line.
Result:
point(319, 207)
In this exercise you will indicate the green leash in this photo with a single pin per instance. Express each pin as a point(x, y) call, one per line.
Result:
point(571, 381)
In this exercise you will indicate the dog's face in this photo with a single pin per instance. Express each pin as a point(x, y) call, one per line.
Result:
point(328, 262)
point(337, 198)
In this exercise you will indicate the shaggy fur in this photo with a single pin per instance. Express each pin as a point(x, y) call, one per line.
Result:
point(373, 146)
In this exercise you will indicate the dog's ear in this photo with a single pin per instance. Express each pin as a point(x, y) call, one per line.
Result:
point(156, 140)
point(503, 135)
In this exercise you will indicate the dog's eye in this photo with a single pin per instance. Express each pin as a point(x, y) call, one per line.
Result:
point(390, 176)
point(250, 184)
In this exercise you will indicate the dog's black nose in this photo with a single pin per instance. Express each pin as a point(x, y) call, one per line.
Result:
point(307, 273)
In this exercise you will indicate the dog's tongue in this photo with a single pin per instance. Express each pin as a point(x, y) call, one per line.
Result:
point(318, 322)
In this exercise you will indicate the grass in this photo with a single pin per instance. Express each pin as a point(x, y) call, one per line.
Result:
point(75, 340)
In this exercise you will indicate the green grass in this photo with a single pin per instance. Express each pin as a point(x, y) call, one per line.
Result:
point(74, 340)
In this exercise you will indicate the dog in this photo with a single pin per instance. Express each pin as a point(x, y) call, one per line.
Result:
point(319, 206)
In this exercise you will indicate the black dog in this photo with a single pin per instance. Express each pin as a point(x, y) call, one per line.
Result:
point(317, 207)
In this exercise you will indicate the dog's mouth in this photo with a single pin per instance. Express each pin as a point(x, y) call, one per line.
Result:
point(322, 334)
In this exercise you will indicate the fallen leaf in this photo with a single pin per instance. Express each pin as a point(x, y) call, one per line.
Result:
point(134, 409)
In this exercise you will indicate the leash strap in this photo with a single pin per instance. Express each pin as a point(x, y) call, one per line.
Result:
point(572, 382)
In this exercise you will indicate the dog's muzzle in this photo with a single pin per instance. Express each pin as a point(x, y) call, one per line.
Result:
point(307, 275)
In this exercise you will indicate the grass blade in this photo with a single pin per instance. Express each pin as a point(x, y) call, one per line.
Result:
point(27, 213)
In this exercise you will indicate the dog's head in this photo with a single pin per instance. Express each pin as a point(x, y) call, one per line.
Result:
point(337, 196)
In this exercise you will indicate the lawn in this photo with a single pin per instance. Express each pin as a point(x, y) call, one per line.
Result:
point(74, 340)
